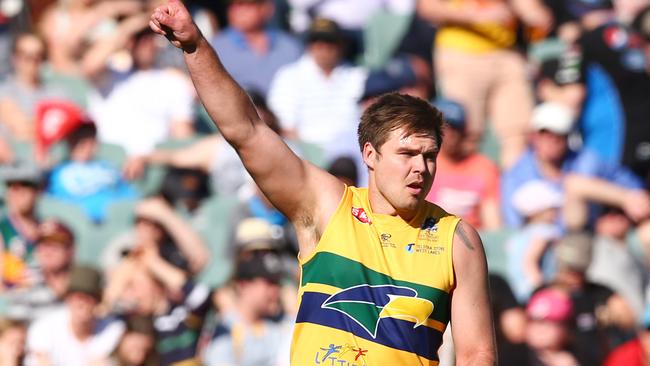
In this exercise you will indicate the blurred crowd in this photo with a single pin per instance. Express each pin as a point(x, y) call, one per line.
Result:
point(131, 234)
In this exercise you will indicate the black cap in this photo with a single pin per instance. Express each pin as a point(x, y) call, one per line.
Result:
point(325, 30)
point(254, 264)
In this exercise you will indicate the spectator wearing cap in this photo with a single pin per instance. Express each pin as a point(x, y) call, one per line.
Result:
point(549, 158)
point(251, 51)
point(548, 333)
point(47, 282)
point(529, 249)
point(74, 335)
point(245, 336)
point(477, 63)
point(635, 352)
point(315, 98)
point(147, 284)
point(467, 182)
point(19, 224)
point(613, 263)
point(602, 316)
point(12, 341)
point(85, 180)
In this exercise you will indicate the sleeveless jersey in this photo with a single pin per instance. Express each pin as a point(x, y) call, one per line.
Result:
point(376, 291)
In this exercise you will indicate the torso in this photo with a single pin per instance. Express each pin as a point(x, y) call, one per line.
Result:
point(364, 295)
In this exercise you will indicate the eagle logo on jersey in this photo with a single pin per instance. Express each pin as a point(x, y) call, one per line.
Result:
point(367, 305)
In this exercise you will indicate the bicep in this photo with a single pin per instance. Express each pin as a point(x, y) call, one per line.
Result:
point(471, 318)
point(297, 188)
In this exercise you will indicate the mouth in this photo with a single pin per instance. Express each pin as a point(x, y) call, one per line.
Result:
point(415, 188)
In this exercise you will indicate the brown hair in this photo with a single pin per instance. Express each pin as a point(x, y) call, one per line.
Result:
point(393, 111)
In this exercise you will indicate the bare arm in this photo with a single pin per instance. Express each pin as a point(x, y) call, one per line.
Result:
point(199, 155)
point(185, 237)
point(445, 12)
point(290, 183)
point(472, 327)
point(532, 13)
point(491, 214)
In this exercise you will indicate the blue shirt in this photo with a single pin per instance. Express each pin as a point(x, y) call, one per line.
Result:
point(254, 71)
point(583, 162)
point(92, 186)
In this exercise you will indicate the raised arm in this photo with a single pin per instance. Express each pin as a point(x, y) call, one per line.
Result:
point(471, 318)
point(289, 183)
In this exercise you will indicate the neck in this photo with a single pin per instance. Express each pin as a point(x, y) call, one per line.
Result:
point(257, 40)
point(247, 315)
point(81, 331)
point(550, 169)
point(29, 82)
point(380, 205)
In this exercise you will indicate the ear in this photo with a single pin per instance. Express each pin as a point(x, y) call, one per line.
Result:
point(369, 155)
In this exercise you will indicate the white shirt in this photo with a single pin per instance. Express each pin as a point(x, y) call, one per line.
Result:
point(319, 107)
point(138, 111)
point(51, 335)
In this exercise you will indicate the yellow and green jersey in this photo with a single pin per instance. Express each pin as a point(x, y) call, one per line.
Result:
point(376, 291)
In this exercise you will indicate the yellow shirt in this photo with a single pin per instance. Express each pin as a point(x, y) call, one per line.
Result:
point(479, 38)
point(376, 291)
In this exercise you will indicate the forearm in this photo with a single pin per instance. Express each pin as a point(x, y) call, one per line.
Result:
point(188, 241)
point(532, 12)
point(225, 101)
point(584, 188)
point(477, 358)
point(171, 277)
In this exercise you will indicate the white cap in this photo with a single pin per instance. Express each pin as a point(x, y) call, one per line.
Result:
point(535, 196)
point(554, 117)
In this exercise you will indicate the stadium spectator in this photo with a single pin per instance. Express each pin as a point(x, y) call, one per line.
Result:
point(137, 346)
point(467, 182)
point(19, 224)
point(252, 51)
point(509, 322)
point(548, 333)
point(573, 17)
point(24, 88)
point(74, 335)
point(530, 248)
point(613, 263)
point(315, 98)
point(158, 226)
point(85, 180)
point(146, 284)
point(550, 158)
point(45, 286)
point(602, 316)
point(245, 336)
point(142, 106)
point(477, 64)
point(635, 352)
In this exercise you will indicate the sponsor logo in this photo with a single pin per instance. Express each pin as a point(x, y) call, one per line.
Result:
point(336, 355)
point(367, 305)
point(361, 215)
point(385, 241)
point(409, 247)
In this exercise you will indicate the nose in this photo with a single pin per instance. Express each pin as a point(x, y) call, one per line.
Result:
point(419, 163)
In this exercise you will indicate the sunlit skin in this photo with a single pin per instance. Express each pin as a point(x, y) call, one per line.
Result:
point(550, 147)
point(401, 173)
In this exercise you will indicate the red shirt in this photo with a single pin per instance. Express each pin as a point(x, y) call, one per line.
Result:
point(627, 354)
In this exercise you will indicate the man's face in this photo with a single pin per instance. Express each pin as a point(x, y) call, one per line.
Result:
point(53, 256)
point(262, 294)
point(28, 57)
point(21, 198)
point(549, 147)
point(326, 54)
point(81, 307)
point(248, 16)
point(135, 347)
point(84, 151)
point(546, 335)
point(142, 293)
point(145, 51)
point(403, 169)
